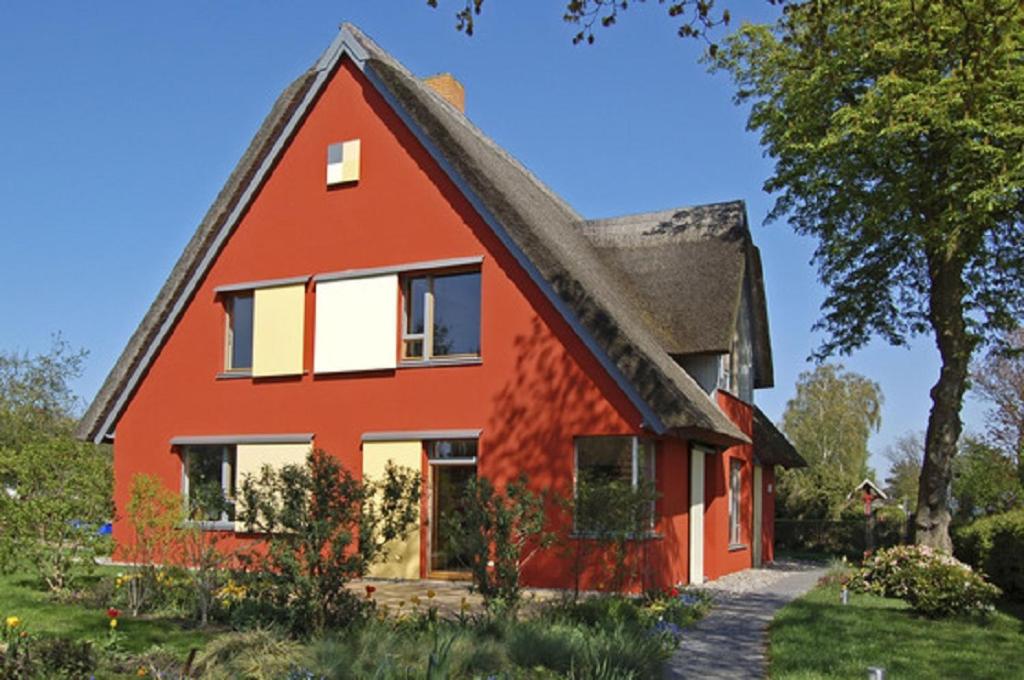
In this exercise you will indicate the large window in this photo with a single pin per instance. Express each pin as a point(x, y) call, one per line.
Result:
point(613, 472)
point(441, 316)
point(209, 482)
point(735, 490)
point(239, 331)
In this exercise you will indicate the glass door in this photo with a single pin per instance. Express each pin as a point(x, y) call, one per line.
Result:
point(448, 486)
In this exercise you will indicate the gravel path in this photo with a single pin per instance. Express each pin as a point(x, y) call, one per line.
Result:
point(731, 641)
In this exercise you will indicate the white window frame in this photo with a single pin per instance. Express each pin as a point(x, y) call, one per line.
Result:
point(635, 472)
point(735, 503)
point(427, 336)
point(226, 475)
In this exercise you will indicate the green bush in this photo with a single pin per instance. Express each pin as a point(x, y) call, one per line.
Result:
point(500, 532)
point(322, 528)
point(66, 658)
point(995, 544)
point(932, 582)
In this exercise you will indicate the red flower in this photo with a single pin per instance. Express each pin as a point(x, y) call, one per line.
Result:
point(113, 613)
point(673, 592)
point(370, 590)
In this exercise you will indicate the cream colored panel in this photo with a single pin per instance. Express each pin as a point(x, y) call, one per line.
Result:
point(279, 316)
point(343, 161)
point(697, 515)
point(402, 557)
point(758, 513)
point(356, 325)
point(250, 459)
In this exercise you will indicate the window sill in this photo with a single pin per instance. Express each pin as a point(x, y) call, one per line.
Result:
point(646, 536)
point(233, 375)
point(735, 547)
point(428, 363)
point(218, 525)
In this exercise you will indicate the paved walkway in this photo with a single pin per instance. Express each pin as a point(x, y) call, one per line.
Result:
point(731, 642)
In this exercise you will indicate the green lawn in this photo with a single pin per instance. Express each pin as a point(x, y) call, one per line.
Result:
point(817, 637)
point(40, 614)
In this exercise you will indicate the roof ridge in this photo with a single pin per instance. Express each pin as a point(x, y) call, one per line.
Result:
point(463, 119)
point(737, 202)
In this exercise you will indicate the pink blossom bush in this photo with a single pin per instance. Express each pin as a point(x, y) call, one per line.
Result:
point(932, 582)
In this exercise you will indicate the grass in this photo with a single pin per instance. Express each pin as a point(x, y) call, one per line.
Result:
point(816, 637)
point(41, 614)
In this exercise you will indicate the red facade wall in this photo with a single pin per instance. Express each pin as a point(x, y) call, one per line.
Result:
point(719, 557)
point(537, 386)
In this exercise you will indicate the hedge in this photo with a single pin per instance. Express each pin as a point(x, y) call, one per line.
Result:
point(995, 545)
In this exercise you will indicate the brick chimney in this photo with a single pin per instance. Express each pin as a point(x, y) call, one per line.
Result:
point(448, 87)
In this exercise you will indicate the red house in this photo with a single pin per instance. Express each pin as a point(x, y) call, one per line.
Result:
point(380, 280)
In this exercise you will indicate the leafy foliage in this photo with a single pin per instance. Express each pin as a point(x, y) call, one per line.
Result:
point(904, 479)
point(154, 514)
point(829, 422)
point(612, 521)
point(52, 514)
point(934, 583)
point(995, 544)
point(697, 16)
point(897, 131)
point(36, 399)
point(984, 482)
point(311, 517)
point(54, 491)
point(501, 529)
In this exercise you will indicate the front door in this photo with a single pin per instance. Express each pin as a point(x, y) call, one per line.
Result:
point(448, 489)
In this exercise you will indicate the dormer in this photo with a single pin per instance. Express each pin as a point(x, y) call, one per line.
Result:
point(695, 275)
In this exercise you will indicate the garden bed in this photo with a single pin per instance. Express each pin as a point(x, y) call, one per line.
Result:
point(599, 636)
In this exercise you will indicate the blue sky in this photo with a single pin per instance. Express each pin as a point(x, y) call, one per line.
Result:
point(122, 120)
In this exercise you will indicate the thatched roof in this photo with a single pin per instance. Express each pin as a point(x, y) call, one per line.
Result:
point(541, 230)
point(688, 267)
point(771, 447)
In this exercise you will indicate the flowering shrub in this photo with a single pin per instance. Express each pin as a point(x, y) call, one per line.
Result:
point(934, 583)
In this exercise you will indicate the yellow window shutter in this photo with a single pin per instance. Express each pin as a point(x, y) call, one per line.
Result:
point(251, 458)
point(279, 317)
point(402, 556)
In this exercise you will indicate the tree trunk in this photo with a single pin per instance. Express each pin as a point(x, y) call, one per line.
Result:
point(955, 344)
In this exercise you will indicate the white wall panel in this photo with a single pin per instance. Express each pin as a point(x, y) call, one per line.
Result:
point(356, 325)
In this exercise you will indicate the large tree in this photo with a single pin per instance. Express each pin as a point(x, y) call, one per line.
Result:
point(829, 422)
point(897, 131)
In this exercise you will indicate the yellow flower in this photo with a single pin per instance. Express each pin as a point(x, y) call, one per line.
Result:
point(113, 624)
point(142, 672)
point(415, 599)
point(13, 622)
point(431, 594)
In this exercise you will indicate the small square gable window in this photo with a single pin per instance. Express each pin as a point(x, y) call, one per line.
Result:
point(342, 162)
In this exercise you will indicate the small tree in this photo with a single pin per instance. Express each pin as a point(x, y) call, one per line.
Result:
point(503, 529)
point(57, 499)
point(611, 518)
point(154, 515)
point(310, 517)
point(905, 458)
point(203, 553)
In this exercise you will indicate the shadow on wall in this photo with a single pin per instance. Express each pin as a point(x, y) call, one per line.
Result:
point(547, 401)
